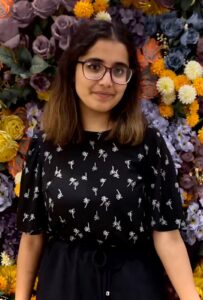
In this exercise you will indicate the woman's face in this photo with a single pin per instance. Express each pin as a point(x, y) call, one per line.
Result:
point(101, 96)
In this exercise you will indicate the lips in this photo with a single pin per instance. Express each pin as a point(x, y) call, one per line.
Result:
point(103, 95)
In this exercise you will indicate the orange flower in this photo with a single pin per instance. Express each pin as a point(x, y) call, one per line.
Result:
point(166, 111)
point(192, 119)
point(158, 67)
point(100, 5)
point(168, 73)
point(83, 9)
point(180, 80)
point(194, 107)
point(3, 283)
point(200, 135)
point(187, 198)
point(198, 84)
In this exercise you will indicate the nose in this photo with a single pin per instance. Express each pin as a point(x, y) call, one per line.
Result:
point(106, 79)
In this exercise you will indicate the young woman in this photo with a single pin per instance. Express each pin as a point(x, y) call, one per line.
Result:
point(100, 209)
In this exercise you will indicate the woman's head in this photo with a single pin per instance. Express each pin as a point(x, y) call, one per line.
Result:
point(109, 45)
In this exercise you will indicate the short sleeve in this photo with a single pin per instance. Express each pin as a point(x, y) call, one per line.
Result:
point(31, 210)
point(164, 200)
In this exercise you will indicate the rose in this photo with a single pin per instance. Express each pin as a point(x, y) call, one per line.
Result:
point(45, 8)
point(200, 150)
point(14, 126)
point(172, 26)
point(40, 82)
point(151, 25)
point(8, 147)
point(190, 37)
point(62, 28)
point(174, 60)
point(199, 162)
point(43, 47)
point(9, 33)
point(187, 181)
point(187, 156)
point(23, 12)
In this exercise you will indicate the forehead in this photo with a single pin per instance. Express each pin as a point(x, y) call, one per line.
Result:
point(109, 51)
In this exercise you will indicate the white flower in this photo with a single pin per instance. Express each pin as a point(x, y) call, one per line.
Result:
point(103, 15)
point(187, 94)
point(193, 70)
point(6, 260)
point(168, 99)
point(165, 85)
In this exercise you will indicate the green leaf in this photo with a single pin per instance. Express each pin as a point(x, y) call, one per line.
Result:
point(38, 65)
point(7, 56)
point(20, 70)
point(24, 57)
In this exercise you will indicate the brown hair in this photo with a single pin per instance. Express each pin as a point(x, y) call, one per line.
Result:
point(61, 118)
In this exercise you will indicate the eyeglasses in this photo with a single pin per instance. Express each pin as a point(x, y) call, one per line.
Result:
point(95, 70)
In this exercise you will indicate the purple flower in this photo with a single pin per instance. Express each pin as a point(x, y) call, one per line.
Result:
point(174, 60)
point(6, 192)
point(199, 50)
point(62, 28)
point(151, 25)
point(196, 21)
point(187, 182)
point(187, 156)
point(171, 25)
point(9, 33)
point(199, 162)
point(190, 37)
point(40, 82)
point(45, 8)
point(43, 47)
point(200, 150)
point(23, 12)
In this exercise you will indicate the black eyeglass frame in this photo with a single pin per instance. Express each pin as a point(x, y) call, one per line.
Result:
point(106, 69)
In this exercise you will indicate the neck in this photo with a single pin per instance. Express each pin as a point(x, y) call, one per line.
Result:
point(98, 122)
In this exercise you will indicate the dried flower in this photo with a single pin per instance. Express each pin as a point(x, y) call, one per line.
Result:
point(102, 15)
point(193, 70)
point(165, 85)
point(187, 94)
point(100, 5)
point(192, 119)
point(180, 80)
point(166, 111)
point(83, 9)
point(198, 85)
point(6, 260)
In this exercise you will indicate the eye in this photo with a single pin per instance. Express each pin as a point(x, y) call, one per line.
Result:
point(119, 71)
point(93, 66)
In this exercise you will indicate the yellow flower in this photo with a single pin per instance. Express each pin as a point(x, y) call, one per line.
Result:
point(192, 119)
point(100, 5)
point(158, 67)
point(103, 15)
point(194, 107)
point(180, 80)
point(14, 126)
point(168, 99)
point(198, 84)
point(17, 183)
point(193, 70)
point(8, 147)
point(127, 3)
point(43, 95)
point(3, 284)
point(187, 94)
point(33, 298)
point(200, 135)
point(83, 9)
point(6, 260)
point(165, 85)
point(166, 111)
point(168, 73)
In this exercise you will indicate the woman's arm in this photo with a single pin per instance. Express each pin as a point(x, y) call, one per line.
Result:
point(29, 255)
point(173, 254)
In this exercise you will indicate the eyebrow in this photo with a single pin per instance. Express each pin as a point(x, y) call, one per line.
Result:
point(96, 59)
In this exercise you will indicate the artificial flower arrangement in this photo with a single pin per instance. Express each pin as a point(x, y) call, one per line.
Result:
point(33, 35)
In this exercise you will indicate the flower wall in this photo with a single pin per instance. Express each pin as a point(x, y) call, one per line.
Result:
point(169, 39)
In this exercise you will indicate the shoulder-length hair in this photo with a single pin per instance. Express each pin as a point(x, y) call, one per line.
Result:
point(61, 119)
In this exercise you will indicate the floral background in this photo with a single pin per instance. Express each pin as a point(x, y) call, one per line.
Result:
point(169, 39)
